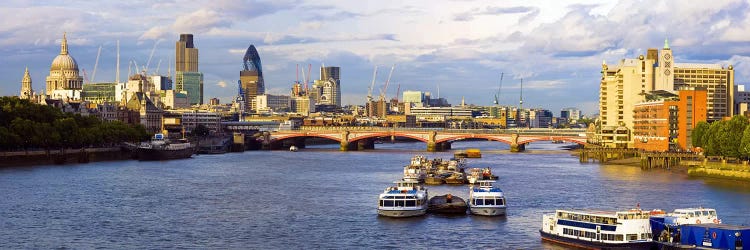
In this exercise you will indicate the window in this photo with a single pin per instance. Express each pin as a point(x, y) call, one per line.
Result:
point(411, 203)
point(632, 236)
point(499, 202)
point(618, 237)
point(387, 203)
point(399, 203)
point(489, 202)
point(479, 201)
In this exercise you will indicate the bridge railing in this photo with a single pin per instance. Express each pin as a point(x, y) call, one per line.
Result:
point(524, 131)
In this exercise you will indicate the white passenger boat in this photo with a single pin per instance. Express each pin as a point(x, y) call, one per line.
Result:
point(416, 170)
point(694, 216)
point(485, 199)
point(406, 199)
point(628, 229)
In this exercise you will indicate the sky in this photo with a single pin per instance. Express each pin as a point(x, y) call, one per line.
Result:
point(453, 49)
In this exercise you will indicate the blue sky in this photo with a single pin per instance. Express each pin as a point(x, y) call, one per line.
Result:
point(557, 47)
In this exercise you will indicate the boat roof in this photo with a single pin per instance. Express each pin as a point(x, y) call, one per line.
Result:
point(494, 189)
point(721, 226)
point(409, 182)
point(401, 192)
point(592, 212)
point(684, 210)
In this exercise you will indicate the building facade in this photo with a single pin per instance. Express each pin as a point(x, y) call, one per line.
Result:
point(251, 78)
point(188, 78)
point(275, 103)
point(64, 81)
point(100, 92)
point(667, 123)
point(27, 92)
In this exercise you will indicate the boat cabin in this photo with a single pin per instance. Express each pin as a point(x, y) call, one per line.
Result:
point(604, 225)
point(404, 194)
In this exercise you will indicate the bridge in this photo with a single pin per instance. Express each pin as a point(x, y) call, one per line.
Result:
point(437, 139)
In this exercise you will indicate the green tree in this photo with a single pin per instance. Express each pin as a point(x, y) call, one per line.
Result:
point(711, 143)
point(698, 133)
point(730, 136)
point(24, 129)
point(69, 132)
point(745, 143)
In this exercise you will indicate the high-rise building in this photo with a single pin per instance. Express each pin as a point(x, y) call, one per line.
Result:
point(667, 120)
point(251, 78)
point(717, 80)
point(187, 76)
point(328, 88)
point(64, 81)
point(26, 91)
point(741, 100)
point(570, 114)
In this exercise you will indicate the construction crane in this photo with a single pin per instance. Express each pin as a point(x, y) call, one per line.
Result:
point(385, 87)
point(148, 63)
point(497, 94)
point(397, 91)
point(158, 65)
point(372, 85)
point(85, 77)
point(96, 64)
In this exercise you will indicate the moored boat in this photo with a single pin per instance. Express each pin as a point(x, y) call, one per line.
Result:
point(447, 204)
point(434, 180)
point(293, 148)
point(406, 199)
point(160, 148)
point(627, 229)
point(486, 199)
point(456, 178)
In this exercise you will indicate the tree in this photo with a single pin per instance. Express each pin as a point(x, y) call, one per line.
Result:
point(745, 143)
point(698, 133)
point(711, 143)
point(730, 136)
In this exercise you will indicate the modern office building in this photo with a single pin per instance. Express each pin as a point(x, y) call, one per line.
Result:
point(666, 121)
point(716, 79)
point(303, 105)
point(251, 78)
point(741, 100)
point(101, 92)
point(570, 114)
point(187, 76)
point(327, 90)
point(161, 83)
point(411, 96)
point(276, 103)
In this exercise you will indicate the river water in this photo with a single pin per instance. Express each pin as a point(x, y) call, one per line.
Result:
point(322, 198)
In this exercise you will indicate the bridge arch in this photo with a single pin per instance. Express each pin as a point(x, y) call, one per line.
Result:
point(464, 137)
point(387, 134)
point(565, 139)
point(293, 136)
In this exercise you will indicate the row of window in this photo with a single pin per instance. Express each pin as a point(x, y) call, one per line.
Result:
point(592, 235)
point(400, 203)
point(490, 202)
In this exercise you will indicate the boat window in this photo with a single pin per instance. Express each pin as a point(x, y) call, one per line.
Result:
point(480, 201)
point(500, 202)
point(611, 237)
point(399, 203)
point(632, 236)
point(705, 213)
point(712, 212)
point(387, 203)
point(411, 203)
point(489, 202)
point(618, 237)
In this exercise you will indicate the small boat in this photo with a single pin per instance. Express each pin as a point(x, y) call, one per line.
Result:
point(447, 204)
point(160, 148)
point(293, 148)
point(456, 178)
point(406, 199)
point(473, 153)
point(434, 180)
point(486, 199)
point(665, 226)
point(416, 170)
point(628, 229)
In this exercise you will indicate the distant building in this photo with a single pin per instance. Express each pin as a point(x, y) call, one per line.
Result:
point(741, 100)
point(161, 83)
point(327, 90)
point(101, 92)
point(540, 118)
point(187, 76)
point(275, 103)
point(174, 100)
point(251, 78)
point(410, 96)
point(571, 114)
point(150, 114)
point(214, 101)
point(27, 92)
point(64, 81)
point(303, 105)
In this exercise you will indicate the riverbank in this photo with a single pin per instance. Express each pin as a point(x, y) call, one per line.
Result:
point(59, 156)
point(723, 170)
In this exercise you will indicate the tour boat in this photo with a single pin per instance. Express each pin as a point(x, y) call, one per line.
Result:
point(416, 171)
point(485, 199)
point(161, 148)
point(406, 199)
point(694, 216)
point(628, 229)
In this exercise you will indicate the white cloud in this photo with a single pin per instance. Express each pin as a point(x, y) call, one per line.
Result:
point(221, 84)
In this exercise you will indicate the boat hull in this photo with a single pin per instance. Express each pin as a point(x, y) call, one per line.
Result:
point(440, 205)
point(595, 245)
point(402, 213)
point(488, 211)
point(148, 154)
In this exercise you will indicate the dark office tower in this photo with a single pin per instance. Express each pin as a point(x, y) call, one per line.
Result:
point(187, 76)
point(330, 86)
point(251, 78)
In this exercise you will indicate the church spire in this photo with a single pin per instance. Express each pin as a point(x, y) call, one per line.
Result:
point(26, 90)
point(64, 45)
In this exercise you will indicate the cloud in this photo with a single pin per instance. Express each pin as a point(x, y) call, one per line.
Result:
point(221, 84)
point(470, 15)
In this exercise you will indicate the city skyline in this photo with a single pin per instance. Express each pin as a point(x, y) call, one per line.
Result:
point(463, 47)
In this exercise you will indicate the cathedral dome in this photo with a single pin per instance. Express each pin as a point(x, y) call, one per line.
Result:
point(64, 61)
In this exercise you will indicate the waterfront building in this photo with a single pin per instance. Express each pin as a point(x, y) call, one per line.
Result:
point(666, 120)
point(187, 76)
point(273, 103)
point(741, 100)
point(64, 81)
point(251, 78)
point(173, 99)
point(540, 118)
point(626, 84)
point(150, 115)
point(190, 119)
point(440, 113)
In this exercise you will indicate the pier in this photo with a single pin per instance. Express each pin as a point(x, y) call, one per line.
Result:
point(647, 160)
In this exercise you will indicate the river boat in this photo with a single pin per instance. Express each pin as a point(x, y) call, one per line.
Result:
point(406, 199)
point(416, 170)
point(476, 174)
point(447, 204)
point(160, 148)
point(473, 153)
point(486, 199)
point(665, 225)
point(293, 148)
point(456, 178)
point(628, 229)
point(434, 180)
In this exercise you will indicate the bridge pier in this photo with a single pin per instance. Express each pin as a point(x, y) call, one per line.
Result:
point(365, 144)
point(515, 147)
point(344, 141)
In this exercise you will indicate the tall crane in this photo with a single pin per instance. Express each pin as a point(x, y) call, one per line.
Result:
point(148, 63)
point(398, 90)
point(385, 87)
point(93, 74)
point(372, 85)
point(497, 94)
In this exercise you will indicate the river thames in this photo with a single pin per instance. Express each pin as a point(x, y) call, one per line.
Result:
point(322, 198)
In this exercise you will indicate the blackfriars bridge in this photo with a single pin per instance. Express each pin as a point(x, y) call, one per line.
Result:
point(360, 138)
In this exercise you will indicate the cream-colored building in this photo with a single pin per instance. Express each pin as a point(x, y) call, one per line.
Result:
point(626, 84)
point(64, 81)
